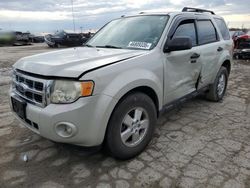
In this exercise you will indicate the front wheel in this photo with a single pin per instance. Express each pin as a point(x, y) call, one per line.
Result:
point(218, 89)
point(131, 126)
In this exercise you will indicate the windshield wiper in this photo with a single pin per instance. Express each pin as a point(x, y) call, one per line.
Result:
point(109, 46)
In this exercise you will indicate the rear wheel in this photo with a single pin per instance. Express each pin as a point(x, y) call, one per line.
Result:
point(218, 88)
point(131, 126)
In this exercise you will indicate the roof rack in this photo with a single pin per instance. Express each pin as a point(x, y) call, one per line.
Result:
point(189, 9)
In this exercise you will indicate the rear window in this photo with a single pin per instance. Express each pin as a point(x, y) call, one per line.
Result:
point(223, 28)
point(206, 32)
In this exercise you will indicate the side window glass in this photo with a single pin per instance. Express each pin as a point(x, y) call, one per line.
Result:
point(206, 32)
point(223, 28)
point(186, 29)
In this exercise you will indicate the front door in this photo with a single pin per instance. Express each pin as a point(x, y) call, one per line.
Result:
point(182, 68)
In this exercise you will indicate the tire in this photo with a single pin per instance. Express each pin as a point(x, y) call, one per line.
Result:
point(136, 134)
point(218, 89)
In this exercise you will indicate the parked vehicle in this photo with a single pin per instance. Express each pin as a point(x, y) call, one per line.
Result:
point(22, 38)
point(62, 38)
point(242, 47)
point(14, 38)
point(111, 91)
point(7, 38)
point(236, 34)
point(36, 38)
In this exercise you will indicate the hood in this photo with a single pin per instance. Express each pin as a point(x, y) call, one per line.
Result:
point(73, 62)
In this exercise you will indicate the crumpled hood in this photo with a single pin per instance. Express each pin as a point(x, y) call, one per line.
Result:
point(73, 62)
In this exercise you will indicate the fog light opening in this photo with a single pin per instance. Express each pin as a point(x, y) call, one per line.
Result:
point(65, 129)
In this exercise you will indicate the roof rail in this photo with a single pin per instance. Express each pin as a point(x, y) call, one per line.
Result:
point(189, 9)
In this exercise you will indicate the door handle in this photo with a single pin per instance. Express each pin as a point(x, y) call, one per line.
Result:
point(219, 49)
point(195, 56)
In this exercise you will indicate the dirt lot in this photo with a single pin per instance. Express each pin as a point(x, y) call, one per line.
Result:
point(201, 144)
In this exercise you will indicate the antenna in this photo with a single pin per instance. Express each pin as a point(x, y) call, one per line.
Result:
point(72, 9)
point(242, 26)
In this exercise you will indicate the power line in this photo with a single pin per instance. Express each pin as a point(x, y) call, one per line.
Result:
point(72, 9)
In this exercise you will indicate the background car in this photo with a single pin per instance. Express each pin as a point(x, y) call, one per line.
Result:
point(235, 34)
point(242, 47)
point(7, 38)
point(63, 38)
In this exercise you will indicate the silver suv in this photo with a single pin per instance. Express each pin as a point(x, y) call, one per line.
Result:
point(112, 90)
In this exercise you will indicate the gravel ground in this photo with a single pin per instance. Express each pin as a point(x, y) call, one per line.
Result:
point(200, 144)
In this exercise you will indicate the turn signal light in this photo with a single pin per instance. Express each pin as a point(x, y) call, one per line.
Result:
point(87, 88)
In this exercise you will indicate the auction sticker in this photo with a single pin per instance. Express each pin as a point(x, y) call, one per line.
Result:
point(141, 45)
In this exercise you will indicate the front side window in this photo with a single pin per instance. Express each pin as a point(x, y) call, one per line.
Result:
point(206, 32)
point(186, 29)
point(223, 28)
point(139, 32)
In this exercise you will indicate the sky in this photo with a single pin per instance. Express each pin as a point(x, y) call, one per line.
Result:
point(39, 16)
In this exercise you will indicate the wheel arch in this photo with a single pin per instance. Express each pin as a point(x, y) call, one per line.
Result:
point(227, 65)
point(143, 89)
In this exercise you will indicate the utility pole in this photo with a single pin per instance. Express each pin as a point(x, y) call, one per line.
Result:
point(81, 29)
point(72, 9)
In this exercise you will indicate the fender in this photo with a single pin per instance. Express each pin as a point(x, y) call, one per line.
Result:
point(118, 87)
point(225, 57)
point(131, 79)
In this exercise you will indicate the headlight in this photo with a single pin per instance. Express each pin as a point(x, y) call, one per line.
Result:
point(63, 91)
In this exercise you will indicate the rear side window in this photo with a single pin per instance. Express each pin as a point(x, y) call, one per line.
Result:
point(186, 29)
point(206, 32)
point(223, 28)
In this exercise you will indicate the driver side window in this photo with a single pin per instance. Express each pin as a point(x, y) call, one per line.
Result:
point(186, 29)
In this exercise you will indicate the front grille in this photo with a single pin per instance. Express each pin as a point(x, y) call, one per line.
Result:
point(30, 88)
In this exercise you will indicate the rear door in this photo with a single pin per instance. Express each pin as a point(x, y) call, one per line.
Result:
point(227, 42)
point(182, 68)
point(211, 48)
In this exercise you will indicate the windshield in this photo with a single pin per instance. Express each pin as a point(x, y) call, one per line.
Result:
point(59, 33)
point(139, 32)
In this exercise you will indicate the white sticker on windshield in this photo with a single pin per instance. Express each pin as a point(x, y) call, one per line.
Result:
point(141, 45)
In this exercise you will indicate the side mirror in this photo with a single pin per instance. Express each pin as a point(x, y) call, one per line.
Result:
point(178, 44)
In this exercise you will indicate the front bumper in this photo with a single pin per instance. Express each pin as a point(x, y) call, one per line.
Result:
point(243, 54)
point(49, 41)
point(89, 115)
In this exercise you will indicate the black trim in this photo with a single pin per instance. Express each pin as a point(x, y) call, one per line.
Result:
point(181, 100)
point(90, 70)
